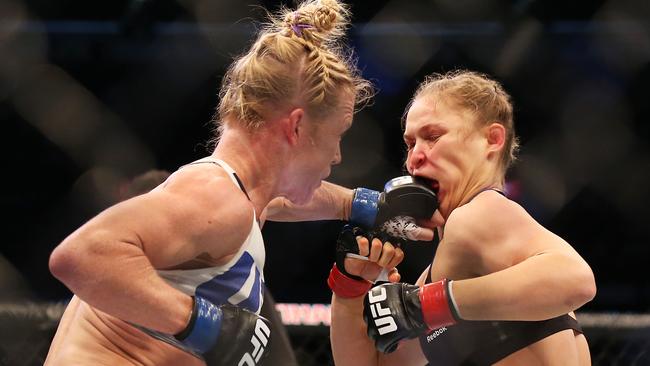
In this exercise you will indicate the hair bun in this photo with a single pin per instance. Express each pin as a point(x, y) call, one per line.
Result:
point(324, 18)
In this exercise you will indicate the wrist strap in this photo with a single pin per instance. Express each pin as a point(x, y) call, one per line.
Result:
point(344, 286)
point(190, 325)
point(364, 207)
point(438, 309)
point(204, 327)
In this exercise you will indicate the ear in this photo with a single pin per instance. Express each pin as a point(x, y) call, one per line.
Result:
point(294, 125)
point(496, 137)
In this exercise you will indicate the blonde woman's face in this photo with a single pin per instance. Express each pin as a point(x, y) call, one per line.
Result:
point(323, 148)
point(445, 147)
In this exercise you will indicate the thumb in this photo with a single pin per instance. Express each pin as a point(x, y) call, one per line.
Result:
point(394, 276)
point(418, 233)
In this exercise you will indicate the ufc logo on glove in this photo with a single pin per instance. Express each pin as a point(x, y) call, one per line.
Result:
point(381, 316)
point(259, 341)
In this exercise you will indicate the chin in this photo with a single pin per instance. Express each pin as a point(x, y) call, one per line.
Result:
point(303, 198)
point(443, 209)
point(438, 219)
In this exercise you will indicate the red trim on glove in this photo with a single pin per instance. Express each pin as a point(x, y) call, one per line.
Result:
point(436, 306)
point(344, 286)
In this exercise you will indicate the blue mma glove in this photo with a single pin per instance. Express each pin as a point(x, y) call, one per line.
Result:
point(226, 334)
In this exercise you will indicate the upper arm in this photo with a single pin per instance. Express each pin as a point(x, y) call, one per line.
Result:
point(176, 226)
point(498, 241)
point(170, 225)
point(191, 216)
point(525, 272)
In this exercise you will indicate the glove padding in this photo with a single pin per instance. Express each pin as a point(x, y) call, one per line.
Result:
point(406, 196)
point(397, 311)
point(243, 340)
point(399, 228)
point(392, 312)
point(403, 200)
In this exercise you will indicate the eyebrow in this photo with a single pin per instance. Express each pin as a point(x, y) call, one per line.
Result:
point(428, 128)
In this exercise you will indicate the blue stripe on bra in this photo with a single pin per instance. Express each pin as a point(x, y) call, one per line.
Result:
point(252, 303)
point(220, 288)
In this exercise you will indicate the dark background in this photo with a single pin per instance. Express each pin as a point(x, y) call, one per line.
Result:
point(95, 93)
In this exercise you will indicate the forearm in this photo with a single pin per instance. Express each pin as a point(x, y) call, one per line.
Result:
point(330, 202)
point(118, 279)
point(350, 343)
point(541, 287)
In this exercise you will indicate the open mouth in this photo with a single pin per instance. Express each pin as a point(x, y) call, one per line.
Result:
point(431, 183)
point(435, 186)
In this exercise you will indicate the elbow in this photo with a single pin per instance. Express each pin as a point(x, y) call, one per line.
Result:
point(64, 264)
point(585, 287)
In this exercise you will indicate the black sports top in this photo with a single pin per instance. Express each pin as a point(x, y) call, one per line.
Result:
point(486, 342)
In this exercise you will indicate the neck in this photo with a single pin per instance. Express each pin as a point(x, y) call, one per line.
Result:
point(479, 181)
point(256, 159)
point(490, 178)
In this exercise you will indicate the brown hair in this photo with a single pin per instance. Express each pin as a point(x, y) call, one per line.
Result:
point(484, 97)
point(297, 59)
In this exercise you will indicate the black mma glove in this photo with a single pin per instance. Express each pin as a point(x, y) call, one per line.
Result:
point(397, 311)
point(406, 196)
point(226, 334)
point(342, 283)
point(347, 243)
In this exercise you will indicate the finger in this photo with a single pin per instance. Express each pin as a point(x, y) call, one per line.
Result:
point(397, 258)
point(435, 221)
point(375, 250)
point(387, 253)
point(418, 233)
point(394, 276)
point(428, 223)
point(362, 242)
point(353, 266)
point(370, 272)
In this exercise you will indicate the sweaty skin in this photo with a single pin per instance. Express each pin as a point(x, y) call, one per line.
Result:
point(504, 264)
point(162, 241)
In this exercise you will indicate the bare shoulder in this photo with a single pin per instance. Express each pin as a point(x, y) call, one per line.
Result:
point(491, 226)
point(210, 189)
point(205, 213)
point(500, 233)
point(486, 213)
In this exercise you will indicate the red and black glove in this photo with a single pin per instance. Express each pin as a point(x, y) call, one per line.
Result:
point(342, 283)
point(397, 311)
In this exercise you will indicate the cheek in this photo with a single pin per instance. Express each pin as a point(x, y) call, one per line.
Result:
point(332, 148)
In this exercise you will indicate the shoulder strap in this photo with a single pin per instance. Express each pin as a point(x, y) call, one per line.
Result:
point(227, 168)
point(489, 189)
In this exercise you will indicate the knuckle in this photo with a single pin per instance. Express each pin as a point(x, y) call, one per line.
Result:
point(388, 250)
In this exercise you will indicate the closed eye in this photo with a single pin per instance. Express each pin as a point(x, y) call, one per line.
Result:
point(409, 144)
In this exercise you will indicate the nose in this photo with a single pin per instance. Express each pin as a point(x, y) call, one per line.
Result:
point(415, 159)
point(337, 156)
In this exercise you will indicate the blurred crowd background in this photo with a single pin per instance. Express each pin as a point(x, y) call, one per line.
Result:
point(93, 94)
